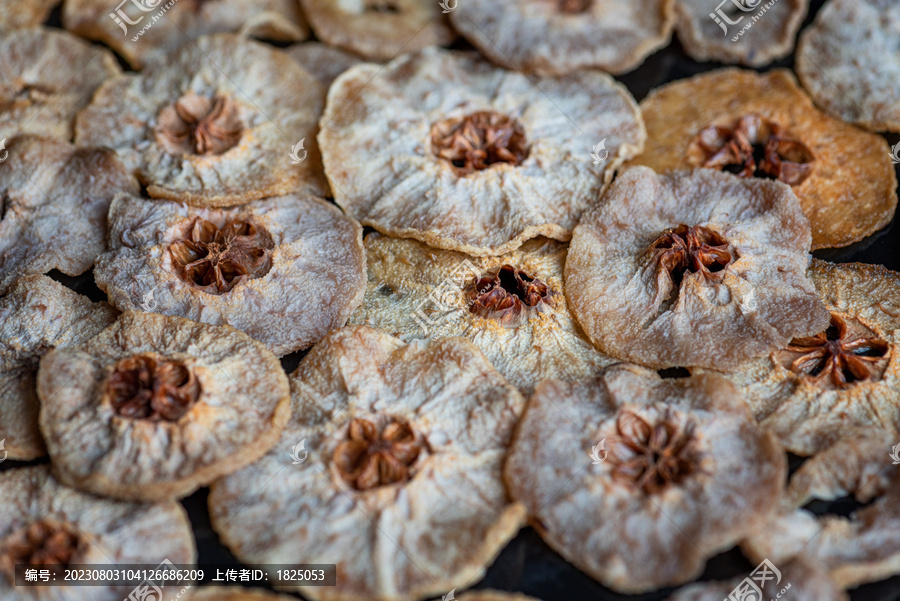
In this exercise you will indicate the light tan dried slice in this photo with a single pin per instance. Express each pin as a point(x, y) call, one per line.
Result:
point(475, 159)
point(553, 37)
point(15, 14)
point(846, 375)
point(766, 126)
point(148, 31)
point(861, 547)
point(154, 407)
point(322, 61)
point(693, 269)
point(45, 522)
point(231, 593)
point(46, 77)
point(378, 30)
point(217, 124)
point(849, 62)
point(669, 473)
point(53, 203)
point(284, 270)
point(749, 32)
point(37, 314)
point(390, 468)
point(511, 307)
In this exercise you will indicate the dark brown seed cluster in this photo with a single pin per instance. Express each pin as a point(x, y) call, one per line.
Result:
point(200, 125)
point(369, 458)
point(41, 543)
point(574, 7)
point(506, 293)
point(694, 249)
point(477, 141)
point(151, 388)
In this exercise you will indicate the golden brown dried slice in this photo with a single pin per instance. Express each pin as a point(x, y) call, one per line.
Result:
point(390, 468)
point(848, 61)
point(379, 30)
point(231, 593)
point(845, 375)
point(511, 307)
point(44, 522)
point(15, 14)
point(53, 203)
point(323, 62)
point(217, 124)
point(765, 126)
point(47, 77)
point(749, 32)
point(553, 37)
point(469, 157)
point(693, 269)
point(659, 464)
point(148, 31)
point(284, 270)
point(37, 314)
point(154, 407)
point(861, 547)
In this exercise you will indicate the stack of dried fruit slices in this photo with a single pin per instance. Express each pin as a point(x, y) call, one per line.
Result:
point(381, 283)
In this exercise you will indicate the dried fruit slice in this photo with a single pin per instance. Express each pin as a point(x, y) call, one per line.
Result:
point(154, 407)
point(861, 547)
point(554, 37)
point(231, 593)
point(399, 481)
point(48, 523)
point(847, 61)
point(284, 270)
point(20, 15)
point(693, 269)
point(38, 92)
point(214, 125)
point(845, 375)
point(147, 31)
point(511, 307)
point(663, 450)
point(378, 30)
point(478, 159)
point(323, 62)
point(765, 126)
point(749, 32)
point(53, 203)
point(37, 314)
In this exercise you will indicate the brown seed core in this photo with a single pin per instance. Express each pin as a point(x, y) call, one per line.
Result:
point(574, 7)
point(369, 459)
point(216, 259)
point(650, 457)
point(840, 355)
point(477, 141)
point(41, 543)
point(754, 147)
point(382, 6)
point(506, 293)
point(151, 388)
point(200, 125)
point(694, 249)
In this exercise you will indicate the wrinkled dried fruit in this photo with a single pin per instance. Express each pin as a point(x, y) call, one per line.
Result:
point(728, 286)
point(112, 406)
point(200, 125)
point(606, 459)
point(554, 37)
point(410, 438)
point(848, 61)
point(765, 125)
point(285, 270)
point(323, 62)
point(16, 15)
point(36, 315)
point(472, 132)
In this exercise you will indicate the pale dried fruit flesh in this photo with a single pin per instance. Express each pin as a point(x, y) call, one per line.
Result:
point(478, 160)
point(400, 485)
point(49, 523)
point(154, 407)
point(554, 37)
point(222, 121)
point(19, 15)
point(765, 126)
point(510, 306)
point(749, 32)
point(36, 315)
point(323, 61)
point(379, 30)
point(660, 447)
point(53, 203)
point(693, 269)
point(848, 61)
point(285, 270)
